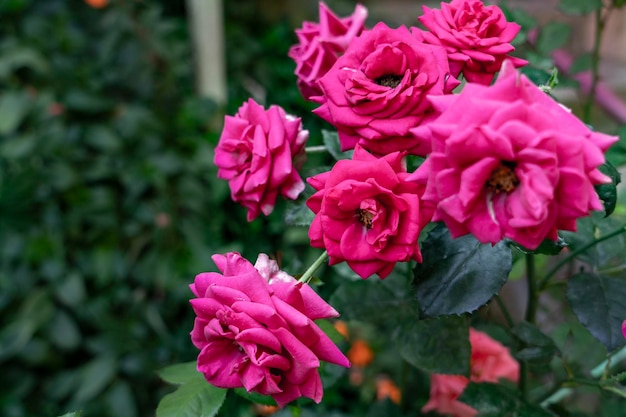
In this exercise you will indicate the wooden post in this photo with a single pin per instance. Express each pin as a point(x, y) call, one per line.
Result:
point(207, 32)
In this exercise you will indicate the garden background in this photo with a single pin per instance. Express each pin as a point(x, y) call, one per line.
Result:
point(110, 204)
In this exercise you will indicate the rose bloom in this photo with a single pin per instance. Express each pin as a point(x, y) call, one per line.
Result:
point(476, 37)
point(377, 90)
point(259, 153)
point(624, 328)
point(510, 162)
point(320, 44)
point(255, 329)
point(367, 213)
point(489, 362)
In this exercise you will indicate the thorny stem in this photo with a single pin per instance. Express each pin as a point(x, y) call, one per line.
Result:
point(308, 274)
point(600, 23)
point(596, 372)
point(573, 254)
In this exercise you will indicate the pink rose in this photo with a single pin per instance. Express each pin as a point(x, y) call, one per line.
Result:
point(489, 362)
point(320, 44)
point(476, 37)
point(624, 328)
point(367, 213)
point(510, 162)
point(377, 90)
point(259, 153)
point(254, 328)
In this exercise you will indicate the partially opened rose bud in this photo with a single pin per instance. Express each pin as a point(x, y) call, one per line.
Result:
point(259, 153)
point(320, 44)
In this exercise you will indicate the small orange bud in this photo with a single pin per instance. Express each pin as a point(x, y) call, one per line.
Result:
point(265, 410)
point(385, 388)
point(97, 4)
point(360, 353)
point(342, 328)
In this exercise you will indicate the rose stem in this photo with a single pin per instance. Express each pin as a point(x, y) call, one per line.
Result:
point(315, 149)
point(568, 258)
point(600, 21)
point(308, 274)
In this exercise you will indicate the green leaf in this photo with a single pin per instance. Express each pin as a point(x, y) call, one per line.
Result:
point(73, 414)
point(608, 192)
point(440, 345)
point(538, 76)
point(254, 397)
point(195, 398)
point(180, 373)
point(582, 63)
point(95, 376)
point(331, 141)
point(498, 400)
point(553, 36)
point(578, 7)
point(538, 348)
point(547, 247)
point(459, 275)
point(599, 302)
point(13, 109)
point(375, 301)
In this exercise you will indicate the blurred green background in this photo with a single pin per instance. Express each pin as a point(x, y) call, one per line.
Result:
point(109, 200)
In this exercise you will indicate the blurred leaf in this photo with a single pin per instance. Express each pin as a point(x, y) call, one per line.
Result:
point(14, 106)
point(497, 400)
point(608, 192)
point(439, 345)
point(63, 331)
point(331, 141)
point(194, 398)
point(121, 400)
point(537, 347)
point(298, 214)
point(600, 305)
point(582, 63)
point(73, 414)
point(180, 373)
point(95, 376)
point(578, 7)
point(459, 275)
point(13, 59)
point(538, 76)
point(553, 35)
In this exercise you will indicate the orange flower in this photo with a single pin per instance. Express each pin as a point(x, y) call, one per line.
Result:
point(264, 410)
point(97, 4)
point(385, 388)
point(360, 353)
point(342, 328)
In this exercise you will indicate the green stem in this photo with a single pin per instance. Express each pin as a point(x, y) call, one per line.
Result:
point(315, 149)
point(308, 274)
point(596, 372)
point(573, 254)
point(505, 311)
point(531, 307)
point(595, 65)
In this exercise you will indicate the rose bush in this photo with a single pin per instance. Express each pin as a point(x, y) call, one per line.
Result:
point(490, 361)
point(476, 37)
point(507, 161)
point(367, 213)
point(259, 153)
point(320, 44)
point(377, 90)
point(255, 330)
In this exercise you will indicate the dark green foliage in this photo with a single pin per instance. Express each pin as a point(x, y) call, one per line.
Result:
point(109, 205)
point(459, 275)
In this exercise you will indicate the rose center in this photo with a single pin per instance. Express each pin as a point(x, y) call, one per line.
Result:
point(365, 217)
point(503, 178)
point(389, 80)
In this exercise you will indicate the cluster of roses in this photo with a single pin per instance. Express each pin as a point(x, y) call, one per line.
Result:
point(502, 161)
